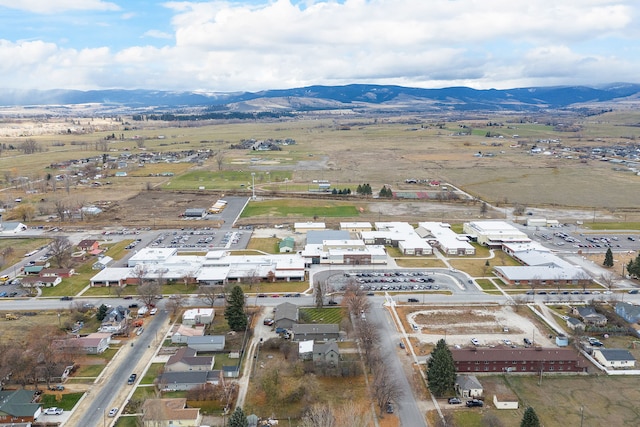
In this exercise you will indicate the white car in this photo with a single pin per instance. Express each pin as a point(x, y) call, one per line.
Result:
point(53, 411)
point(113, 412)
point(153, 311)
point(475, 341)
point(506, 342)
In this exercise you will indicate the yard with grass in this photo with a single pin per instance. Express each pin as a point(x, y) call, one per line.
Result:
point(309, 208)
point(65, 401)
point(321, 315)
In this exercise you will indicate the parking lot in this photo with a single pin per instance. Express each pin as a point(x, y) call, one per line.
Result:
point(203, 239)
point(395, 280)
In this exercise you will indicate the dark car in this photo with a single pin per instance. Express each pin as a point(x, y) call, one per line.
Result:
point(66, 298)
point(454, 401)
point(332, 302)
point(402, 345)
point(128, 297)
point(633, 291)
point(268, 322)
point(132, 379)
point(527, 341)
point(389, 408)
point(474, 402)
point(413, 300)
point(133, 305)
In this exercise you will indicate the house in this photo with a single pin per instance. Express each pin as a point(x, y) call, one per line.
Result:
point(95, 343)
point(614, 358)
point(57, 272)
point(629, 312)
point(316, 332)
point(18, 406)
point(38, 281)
point(326, 352)
point(183, 332)
point(501, 359)
point(575, 324)
point(468, 386)
point(181, 381)
point(286, 245)
point(589, 315)
point(102, 263)
point(198, 316)
point(286, 315)
point(186, 359)
point(33, 269)
point(206, 343)
point(115, 320)
point(89, 245)
point(169, 412)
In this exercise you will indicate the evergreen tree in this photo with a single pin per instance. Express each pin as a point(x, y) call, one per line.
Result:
point(530, 419)
point(608, 258)
point(238, 419)
point(102, 312)
point(359, 189)
point(234, 313)
point(441, 370)
point(334, 191)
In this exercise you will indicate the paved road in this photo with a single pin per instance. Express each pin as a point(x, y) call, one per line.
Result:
point(111, 387)
point(406, 406)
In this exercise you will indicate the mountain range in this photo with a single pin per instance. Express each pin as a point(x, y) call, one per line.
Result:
point(355, 96)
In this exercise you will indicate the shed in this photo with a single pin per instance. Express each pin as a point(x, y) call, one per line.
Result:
point(195, 213)
point(286, 245)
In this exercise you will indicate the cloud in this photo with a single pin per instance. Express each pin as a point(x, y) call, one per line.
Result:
point(254, 45)
point(158, 34)
point(59, 6)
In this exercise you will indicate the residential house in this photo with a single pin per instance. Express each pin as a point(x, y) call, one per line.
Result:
point(95, 343)
point(286, 315)
point(33, 269)
point(18, 406)
point(501, 359)
point(206, 343)
point(187, 359)
point(198, 316)
point(589, 315)
point(316, 332)
point(57, 272)
point(468, 386)
point(575, 324)
point(326, 352)
point(102, 263)
point(115, 320)
point(614, 357)
point(629, 312)
point(183, 332)
point(169, 413)
point(89, 245)
point(181, 381)
point(38, 281)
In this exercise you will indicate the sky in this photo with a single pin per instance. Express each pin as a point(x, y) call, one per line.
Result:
point(252, 45)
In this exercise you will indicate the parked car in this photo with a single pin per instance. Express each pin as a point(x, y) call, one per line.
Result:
point(268, 322)
point(113, 412)
point(133, 305)
point(474, 402)
point(389, 408)
point(475, 341)
point(132, 379)
point(66, 298)
point(332, 302)
point(153, 311)
point(527, 341)
point(633, 291)
point(402, 345)
point(56, 387)
point(413, 300)
point(454, 401)
point(53, 411)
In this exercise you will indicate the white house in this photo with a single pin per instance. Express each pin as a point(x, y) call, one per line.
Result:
point(614, 358)
point(198, 316)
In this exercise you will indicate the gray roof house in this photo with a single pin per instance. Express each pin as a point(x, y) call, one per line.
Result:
point(575, 324)
point(286, 315)
point(18, 405)
point(468, 386)
point(629, 312)
point(186, 359)
point(175, 381)
point(590, 316)
point(316, 332)
point(327, 352)
point(206, 343)
point(614, 357)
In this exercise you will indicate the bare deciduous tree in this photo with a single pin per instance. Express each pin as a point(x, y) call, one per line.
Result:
point(207, 294)
point(355, 299)
point(60, 249)
point(148, 292)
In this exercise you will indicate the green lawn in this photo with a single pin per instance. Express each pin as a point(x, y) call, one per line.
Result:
point(612, 225)
point(67, 401)
point(306, 208)
point(152, 373)
point(225, 179)
point(321, 315)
